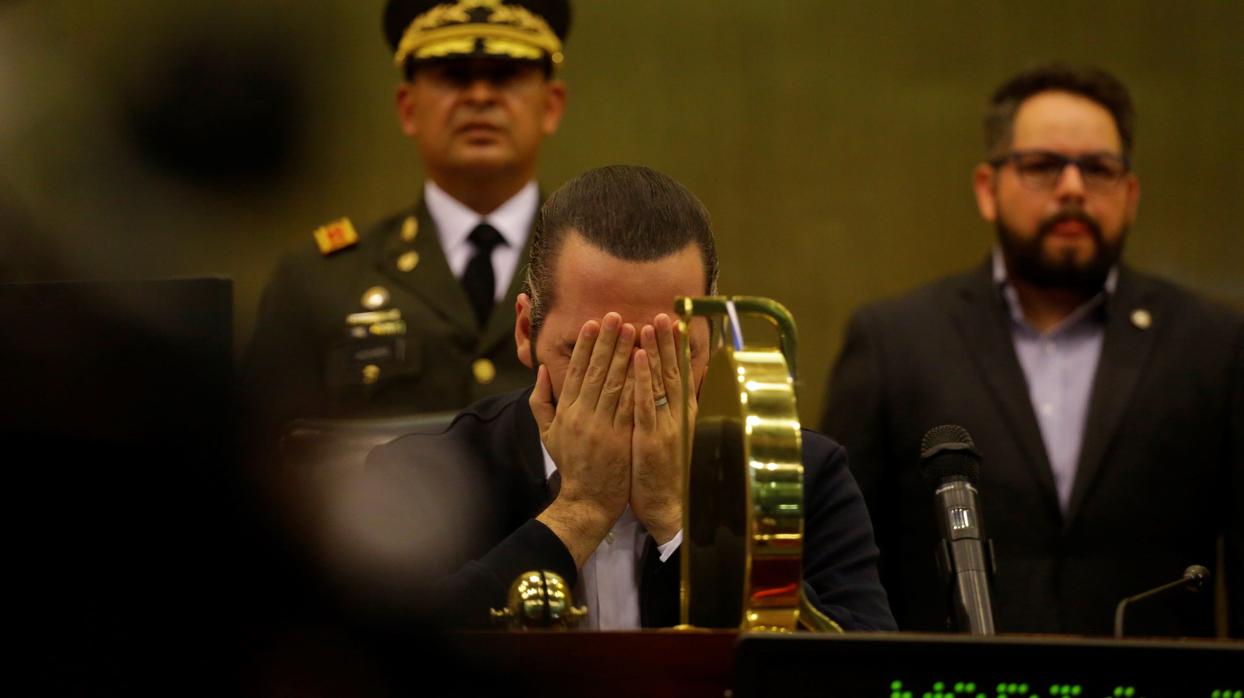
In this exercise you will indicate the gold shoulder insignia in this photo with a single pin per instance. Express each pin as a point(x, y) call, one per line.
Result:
point(336, 236)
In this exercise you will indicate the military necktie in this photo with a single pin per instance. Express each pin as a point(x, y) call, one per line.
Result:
point(479, 281)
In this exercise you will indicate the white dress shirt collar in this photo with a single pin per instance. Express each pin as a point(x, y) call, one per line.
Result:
point(455, 220)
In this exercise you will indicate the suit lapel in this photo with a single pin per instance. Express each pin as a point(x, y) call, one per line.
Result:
point(981, 318)
point(430, 279)
point(1125, 349)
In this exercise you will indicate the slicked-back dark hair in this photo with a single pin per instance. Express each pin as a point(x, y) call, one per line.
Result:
point(1091, 83)
point(630, 212)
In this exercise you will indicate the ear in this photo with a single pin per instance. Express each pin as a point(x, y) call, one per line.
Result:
point(1133, 197)
point(554, 106)
point(984, 186)
point(405, 101)
point(523, 340)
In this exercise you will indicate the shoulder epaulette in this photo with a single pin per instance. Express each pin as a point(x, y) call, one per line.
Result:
point(336, 236)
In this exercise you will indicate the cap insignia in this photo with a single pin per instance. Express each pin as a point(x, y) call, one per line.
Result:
point(505, 30)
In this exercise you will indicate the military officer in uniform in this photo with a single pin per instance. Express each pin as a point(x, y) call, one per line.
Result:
point(415, 313)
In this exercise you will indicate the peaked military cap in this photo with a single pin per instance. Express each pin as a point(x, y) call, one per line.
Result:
point(419, 30)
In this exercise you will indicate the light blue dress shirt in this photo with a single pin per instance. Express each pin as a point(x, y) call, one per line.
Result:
point(1059, 365)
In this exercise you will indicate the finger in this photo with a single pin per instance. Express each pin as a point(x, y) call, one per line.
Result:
point(602, 356)
point(668, 338)
point(624, 418)
point(648, 339)
point(541, 400)
point(645, 401)
point(611, 391)
point(579, 357)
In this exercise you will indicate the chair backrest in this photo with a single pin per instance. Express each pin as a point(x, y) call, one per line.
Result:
point(327, 447)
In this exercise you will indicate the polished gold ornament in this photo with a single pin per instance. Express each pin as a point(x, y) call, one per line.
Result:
point(371, 374)
point(743, 508)
point(508, 30)
point(539, 599)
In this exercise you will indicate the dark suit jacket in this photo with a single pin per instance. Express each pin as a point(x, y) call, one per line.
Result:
point(1161, 470)
point(303, 360)
point(498, 439)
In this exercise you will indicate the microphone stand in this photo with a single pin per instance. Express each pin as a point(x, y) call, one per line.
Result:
point(1194, 578)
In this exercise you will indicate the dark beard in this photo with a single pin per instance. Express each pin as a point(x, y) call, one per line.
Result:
point(1026, 261)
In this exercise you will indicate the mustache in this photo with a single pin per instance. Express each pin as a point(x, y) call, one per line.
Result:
point(1069, 214)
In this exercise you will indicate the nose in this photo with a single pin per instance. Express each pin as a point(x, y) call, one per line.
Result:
point(480, 90)
point(1070, 184)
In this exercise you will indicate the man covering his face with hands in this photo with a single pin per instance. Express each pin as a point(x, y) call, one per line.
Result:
point(581, 474)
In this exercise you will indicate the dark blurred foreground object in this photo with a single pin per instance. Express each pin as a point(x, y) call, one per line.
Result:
point(26, 252)
point(314, 446)
point(144, 558)
point(114, 430)
point(219, 111)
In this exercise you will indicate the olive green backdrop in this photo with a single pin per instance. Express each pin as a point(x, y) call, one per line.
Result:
point(833, 142)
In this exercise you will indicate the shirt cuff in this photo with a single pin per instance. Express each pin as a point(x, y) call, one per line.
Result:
point(668, 547)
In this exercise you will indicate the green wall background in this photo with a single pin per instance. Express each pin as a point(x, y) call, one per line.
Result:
point(833, 142)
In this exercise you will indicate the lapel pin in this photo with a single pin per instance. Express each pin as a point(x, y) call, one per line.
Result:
point(1141, 319)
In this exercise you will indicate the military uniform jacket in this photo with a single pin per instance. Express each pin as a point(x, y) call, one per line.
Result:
point(378, 328)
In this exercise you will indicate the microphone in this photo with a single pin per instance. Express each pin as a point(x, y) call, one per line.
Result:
point(1194, 579)
point(951, 466)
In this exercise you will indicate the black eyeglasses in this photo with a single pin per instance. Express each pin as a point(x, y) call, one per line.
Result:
point(1040, 169)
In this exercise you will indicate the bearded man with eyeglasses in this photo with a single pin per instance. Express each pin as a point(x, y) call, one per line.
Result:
point(1108, 405)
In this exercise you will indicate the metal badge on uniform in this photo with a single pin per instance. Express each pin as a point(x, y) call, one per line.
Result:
point(336, 236)
point(485, 371)
point(375, 297)
point(410, 228)
point(378, 323)
point(1141, 319)
point(408, 261)
point(374, 316)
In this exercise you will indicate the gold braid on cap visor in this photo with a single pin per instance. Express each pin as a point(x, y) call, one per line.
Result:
point(509, 30)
